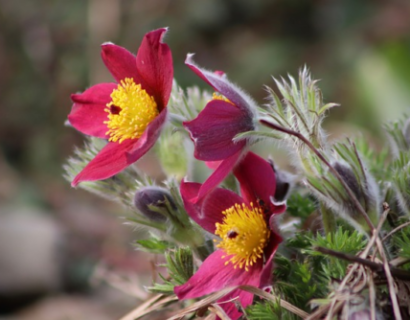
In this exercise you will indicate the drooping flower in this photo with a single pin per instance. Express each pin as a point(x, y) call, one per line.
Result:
point(248, 238)
point(129, 113)
point(229, 113)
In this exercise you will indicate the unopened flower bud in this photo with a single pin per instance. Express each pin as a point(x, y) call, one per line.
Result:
point(365, 190)
point(154, 203)
point(350, 179)
point(284, 183)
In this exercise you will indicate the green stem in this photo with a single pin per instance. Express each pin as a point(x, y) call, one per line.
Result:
point(203, 251)
point(328, 219)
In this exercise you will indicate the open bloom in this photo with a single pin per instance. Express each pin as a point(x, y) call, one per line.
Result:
point(245, 226)
point(229, 113)
point(129, 113)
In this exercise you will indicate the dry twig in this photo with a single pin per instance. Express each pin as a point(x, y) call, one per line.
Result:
point(268, 296)
point(395, 230)
point(337, 303)
point(390, 281)
point(152, 304)
point(205, 302)
point(374, 266)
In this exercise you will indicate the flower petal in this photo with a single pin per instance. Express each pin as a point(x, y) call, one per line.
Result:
point(115, 157)
point(209, 211)
point(222, 85)
point(230, 308)
point(214, 128)
point(213, 164)
point(87, 114)
point(154, 64)
point(108, 162)
point(148, 138)
point(218, 175)
point(256, 178)
point(121, 63)
point(214, 275)
point(152, 67)
point(266, 276)
point(276, 209)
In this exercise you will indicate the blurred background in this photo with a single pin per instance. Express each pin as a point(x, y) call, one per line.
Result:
point(64, 254)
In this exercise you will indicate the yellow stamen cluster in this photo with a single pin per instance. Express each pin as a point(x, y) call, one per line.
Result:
point(244, 234)
point(130, 111)
point(216, 96)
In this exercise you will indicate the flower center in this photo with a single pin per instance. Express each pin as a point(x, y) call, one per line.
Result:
point(130, 111)
point(217, 96)
point(244, 235)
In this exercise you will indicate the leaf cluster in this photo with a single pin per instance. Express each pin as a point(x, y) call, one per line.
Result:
point(186, 104)
point(301, 205)
point(180, 267)
point(301, 109)
point(345, 241)
point(301, 273)
point(295, 282)
point(401, 242)
point(268, 310)
point(153, 245)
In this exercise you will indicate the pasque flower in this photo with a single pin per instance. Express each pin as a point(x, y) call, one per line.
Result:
point(245, 226)
point(229, 113)
point(129, 113)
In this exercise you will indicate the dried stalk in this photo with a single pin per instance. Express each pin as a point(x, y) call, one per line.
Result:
point(155, 303)
point(376, 267)
point(205, 302)
point(395, 230)
point(372, 296)
point(284, 304)
point(390, 281)
point(336, 305)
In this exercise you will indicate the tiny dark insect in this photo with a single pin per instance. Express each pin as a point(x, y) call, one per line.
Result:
point(114, 109)
point(261, 202)
point(232, 234)
point(263, 206)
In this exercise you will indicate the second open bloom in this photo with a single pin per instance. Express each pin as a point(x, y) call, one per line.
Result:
point(229, 113)
point(245, 227)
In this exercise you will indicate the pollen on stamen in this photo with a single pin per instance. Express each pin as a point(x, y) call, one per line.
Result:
point(244, 235)
point(130, 111)
point(216, 96)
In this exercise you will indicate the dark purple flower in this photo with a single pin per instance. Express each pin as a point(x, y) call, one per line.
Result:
point(226, 115)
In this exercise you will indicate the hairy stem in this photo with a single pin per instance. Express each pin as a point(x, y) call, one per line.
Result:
point(323, 159)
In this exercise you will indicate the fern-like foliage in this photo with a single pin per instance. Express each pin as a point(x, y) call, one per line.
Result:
point(180, 267)
point(268, 310)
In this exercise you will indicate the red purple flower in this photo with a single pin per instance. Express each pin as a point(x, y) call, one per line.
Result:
point(129, 113)
point(218, 123)
point(248, 239)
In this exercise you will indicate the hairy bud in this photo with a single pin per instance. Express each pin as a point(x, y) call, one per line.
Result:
point(365, 191)
point(284, 183)
point(350, 179)
point(154, 203)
